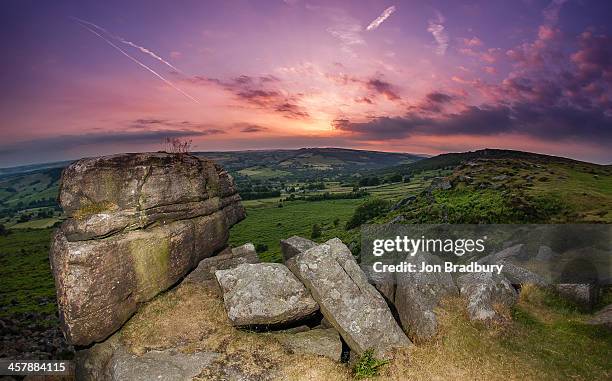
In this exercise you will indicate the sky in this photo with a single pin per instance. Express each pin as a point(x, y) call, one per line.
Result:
point(85, 78)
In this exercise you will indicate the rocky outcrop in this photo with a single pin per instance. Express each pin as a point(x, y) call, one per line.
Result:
point(137, 223)
point(485, 293)
point(418, 293)
point(295, 245)
point(352, 305)
point(265, 293)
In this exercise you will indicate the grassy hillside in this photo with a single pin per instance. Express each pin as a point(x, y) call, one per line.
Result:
point(513, 187)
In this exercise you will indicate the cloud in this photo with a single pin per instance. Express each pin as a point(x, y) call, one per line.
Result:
point(551, 12)
point(250, 128)
point(70, 142)
point(436, 28)
point(381, 87)
point(380, 19)
point(263, 92)
point(471, 42)
point(559, 123)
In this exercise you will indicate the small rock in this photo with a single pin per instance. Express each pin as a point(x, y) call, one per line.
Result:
point(483, 291)
point(585, 295)
point(519, 275)
point(206, 268)
point(603, 317)
point(295, 245)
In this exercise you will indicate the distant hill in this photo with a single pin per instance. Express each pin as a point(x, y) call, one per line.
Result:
point(33, 168)
point(451, 160)
point(32, 187)
point(306, 162)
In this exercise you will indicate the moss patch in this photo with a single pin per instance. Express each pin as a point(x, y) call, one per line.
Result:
point(151, 257)
point(89, 209)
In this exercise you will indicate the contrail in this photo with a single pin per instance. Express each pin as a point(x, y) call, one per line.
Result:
point(123, 40)
point(141, 64)
point(379, 20)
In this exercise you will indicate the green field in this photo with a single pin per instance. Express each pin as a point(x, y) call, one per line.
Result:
point(27, 283)
point(268, 225)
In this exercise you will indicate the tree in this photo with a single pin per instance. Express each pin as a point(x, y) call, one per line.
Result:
point(316, 231)
point(367, 211)
point(3, 231)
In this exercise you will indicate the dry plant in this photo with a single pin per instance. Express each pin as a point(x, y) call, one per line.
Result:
point(177, 145)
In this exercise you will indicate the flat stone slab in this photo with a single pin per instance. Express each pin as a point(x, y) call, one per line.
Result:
point(264, 294)
point(352, 305)
point(168, 365)
point(321, 342)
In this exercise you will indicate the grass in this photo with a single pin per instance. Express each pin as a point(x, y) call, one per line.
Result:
point(263, 173)
point(268, 225)
point(368, 366)
point(25, 272)
point(42, 223)
point(192, 318)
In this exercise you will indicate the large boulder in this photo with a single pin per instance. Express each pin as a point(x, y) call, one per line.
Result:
point(418, 293)
point(486, 292)
point(137, 223)
point(264, 294)
point(295, 245)
point(352, 305)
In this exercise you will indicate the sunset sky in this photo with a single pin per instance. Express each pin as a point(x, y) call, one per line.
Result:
point(86, 78)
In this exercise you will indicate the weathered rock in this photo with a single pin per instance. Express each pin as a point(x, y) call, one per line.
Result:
point(205, 272)
point(545, 254)
point(159, 365)
point(520, 275)
point(418, 293)
point(295, 245)
point(515, 251)
point(603, 317)
point(137, 223)
point(92, 364)
point(352, 305)
point(584, 294)
point(322, 342)
point(442, 183)
point(264, 293)
point(484, 292)
point(404, 201)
